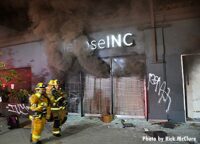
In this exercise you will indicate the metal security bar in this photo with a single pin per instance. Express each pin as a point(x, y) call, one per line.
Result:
point(75, 94)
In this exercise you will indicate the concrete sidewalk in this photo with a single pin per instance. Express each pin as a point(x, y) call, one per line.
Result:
point(93, 131)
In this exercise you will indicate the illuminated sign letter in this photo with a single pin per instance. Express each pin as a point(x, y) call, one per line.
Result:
point(101, 44)
point(94, 46)
point(108, 41)
point(112, 41)
point(116, 40)
point(125, 38)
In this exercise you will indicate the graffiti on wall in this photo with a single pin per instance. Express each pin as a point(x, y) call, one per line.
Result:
point(18, 109)
point(161, 89)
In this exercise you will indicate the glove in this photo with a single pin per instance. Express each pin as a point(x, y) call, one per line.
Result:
point(65, 103)
point(62, 102)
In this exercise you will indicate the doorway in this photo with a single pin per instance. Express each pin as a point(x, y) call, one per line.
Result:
point(191, 85)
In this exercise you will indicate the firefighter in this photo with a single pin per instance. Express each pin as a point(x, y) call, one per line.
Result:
point(38, 110)
point(58, 106)
point(62, 102)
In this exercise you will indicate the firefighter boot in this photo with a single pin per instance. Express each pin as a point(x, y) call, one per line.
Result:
point(56, 128)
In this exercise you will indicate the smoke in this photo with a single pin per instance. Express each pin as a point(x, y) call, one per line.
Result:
point(64, 21)
point(52, 21)
point(91, 63)
point(133, 65)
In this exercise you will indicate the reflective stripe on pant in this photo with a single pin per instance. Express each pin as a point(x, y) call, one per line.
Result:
point(37, 127)
point(59, 116)
point(56, 122)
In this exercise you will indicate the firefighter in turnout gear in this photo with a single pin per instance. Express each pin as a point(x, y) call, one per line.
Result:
point(38, 109)
point(58, 106)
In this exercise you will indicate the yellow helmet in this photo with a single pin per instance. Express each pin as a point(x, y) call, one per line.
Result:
point(56, 82)
point(40, 85)
point(53, 82)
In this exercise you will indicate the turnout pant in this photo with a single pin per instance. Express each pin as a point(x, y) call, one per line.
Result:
point(56, 122)
point(37, 127)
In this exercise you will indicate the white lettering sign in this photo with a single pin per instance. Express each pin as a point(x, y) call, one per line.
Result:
point(112, 41)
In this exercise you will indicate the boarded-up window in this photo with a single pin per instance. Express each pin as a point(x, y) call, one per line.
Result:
point(128, 96)
point(97, 95)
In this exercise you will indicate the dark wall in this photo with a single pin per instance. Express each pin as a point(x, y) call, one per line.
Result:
point(178, 38)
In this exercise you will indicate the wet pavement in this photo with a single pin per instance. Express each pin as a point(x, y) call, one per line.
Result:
point(87, 130)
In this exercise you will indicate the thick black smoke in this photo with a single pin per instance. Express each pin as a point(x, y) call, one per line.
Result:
point(60, 22)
